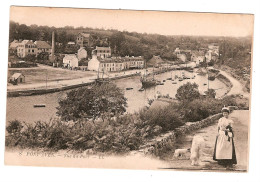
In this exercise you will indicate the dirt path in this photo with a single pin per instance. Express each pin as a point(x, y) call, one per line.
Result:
point(241, 121)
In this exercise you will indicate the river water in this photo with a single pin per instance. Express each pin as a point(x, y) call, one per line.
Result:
point(21, 108)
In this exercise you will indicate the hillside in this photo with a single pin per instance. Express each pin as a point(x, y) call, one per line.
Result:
point(139, 44)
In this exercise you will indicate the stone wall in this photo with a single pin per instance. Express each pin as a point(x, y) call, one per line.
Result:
point(166, 142)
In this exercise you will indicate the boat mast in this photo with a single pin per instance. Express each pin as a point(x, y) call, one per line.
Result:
point(153, 72)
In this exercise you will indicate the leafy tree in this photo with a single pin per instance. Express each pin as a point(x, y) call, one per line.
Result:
point(30, 58)
point(211, 93)
point(43, 56)
point(98, 101)
point(188, 92)
point(116, 40)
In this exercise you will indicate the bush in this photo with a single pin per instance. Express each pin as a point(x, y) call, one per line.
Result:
point(202, 108)
point(187, 92)
point(98, 101)
point(167, 118)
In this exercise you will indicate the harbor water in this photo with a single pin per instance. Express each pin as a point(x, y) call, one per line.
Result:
point(21, 108)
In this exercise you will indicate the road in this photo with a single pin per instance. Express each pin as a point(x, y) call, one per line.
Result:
point(237, 87)
point(62, 83)
point(241, 122)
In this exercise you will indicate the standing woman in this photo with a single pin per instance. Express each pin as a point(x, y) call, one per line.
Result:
point(224, 151)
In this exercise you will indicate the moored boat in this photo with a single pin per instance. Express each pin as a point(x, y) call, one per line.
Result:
point(39, 105)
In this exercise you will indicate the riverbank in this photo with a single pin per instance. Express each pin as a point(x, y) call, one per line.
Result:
point(57, 86)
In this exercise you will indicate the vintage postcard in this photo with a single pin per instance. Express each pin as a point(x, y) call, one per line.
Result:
point(125, 89)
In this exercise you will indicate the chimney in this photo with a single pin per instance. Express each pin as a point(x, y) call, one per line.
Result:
point(53, 46)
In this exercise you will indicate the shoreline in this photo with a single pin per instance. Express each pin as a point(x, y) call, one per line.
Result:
point(62, 87)
point(41, 91)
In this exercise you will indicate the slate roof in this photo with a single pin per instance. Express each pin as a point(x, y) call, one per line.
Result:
point(14, 44)
point(103, 48)
point(84, 34)
point(42, 45)
point(155, 60)
point(120, 59)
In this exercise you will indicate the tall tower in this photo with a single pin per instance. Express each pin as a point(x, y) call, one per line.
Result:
point(52, 47)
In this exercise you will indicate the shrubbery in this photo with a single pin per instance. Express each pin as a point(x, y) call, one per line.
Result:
point(118, 135)
point(167, 118)
point(103, 132)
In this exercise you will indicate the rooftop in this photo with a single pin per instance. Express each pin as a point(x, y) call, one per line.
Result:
point(16, 75)
point(42, 44)
point(84, 34)
point(103, 48)
point(120, 59)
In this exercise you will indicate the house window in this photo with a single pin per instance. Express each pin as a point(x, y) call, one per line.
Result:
point(33, 50)
point(28, 50)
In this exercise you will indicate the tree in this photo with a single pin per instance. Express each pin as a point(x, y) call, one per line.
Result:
point(30, 58)
point(43, 56)
point(98, 101)
point(187, 92)
point(211, 93)
point(116, 40)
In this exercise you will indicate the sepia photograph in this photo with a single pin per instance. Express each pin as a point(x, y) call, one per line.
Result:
point(129, 89)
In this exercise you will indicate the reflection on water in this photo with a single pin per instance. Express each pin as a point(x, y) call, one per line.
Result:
point(22, 107)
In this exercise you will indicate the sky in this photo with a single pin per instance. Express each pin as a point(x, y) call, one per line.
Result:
point(159, 22)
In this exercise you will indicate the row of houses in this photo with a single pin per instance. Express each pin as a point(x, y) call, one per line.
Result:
point(72, 60)
point(199, 56)
point(110, 64)
point(28, 47)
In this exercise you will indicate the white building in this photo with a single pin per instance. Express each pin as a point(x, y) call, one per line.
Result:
point(70, 61)
point(115, 63)
point(82, 53)
point(177, 50)
point(182, 57)
point(208, 56)
point(94, 63)
point(26, 47)
point(214, 48)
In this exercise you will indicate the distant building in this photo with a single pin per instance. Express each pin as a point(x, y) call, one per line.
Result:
point(177, 50)
point(103, 51)
point(42, 46)
point(84, 39)
point(82, 53)
point(115, 63)
point(70, 61)
point(133, 62)
point(17, 77)
point(208, 56)
point(26, 47)
point(94, 63)
point(155, 61)
point(197, 56)
point(14, 44)
point(182, 57)
point(214, 48)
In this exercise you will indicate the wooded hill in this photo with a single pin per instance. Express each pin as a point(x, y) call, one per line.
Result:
point(139, 44)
